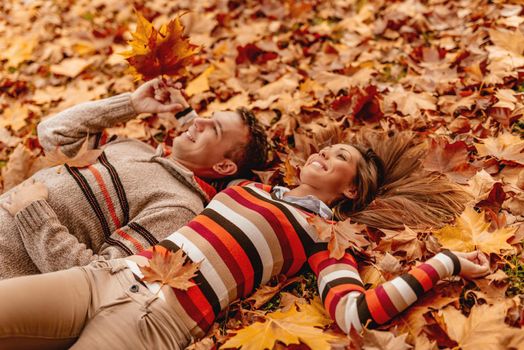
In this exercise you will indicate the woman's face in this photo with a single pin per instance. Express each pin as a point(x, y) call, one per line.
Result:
point(332, 171)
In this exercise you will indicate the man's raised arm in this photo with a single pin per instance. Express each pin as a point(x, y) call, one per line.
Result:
point(68, 129)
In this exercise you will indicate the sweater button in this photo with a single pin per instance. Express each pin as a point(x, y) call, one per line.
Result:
point(134, 288)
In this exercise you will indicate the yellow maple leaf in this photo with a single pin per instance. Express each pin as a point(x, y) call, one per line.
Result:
point(168, 268)
point(157, 52)
point(290, 327)
point(471, 232)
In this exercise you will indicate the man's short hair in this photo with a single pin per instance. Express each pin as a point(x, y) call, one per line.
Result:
point(253, 153)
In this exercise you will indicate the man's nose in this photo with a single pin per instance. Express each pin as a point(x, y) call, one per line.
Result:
point(200, 123)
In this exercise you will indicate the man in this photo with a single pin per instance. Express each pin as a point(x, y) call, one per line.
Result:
point(133, 196)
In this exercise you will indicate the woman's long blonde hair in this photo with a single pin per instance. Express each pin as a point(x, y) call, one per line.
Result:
point(404, 194)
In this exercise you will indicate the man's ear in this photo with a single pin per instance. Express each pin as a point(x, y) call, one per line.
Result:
point(225, 167)
point(350, 192)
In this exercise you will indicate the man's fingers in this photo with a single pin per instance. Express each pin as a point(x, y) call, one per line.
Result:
point(173, 108)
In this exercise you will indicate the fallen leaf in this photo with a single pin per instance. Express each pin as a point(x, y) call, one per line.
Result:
point(406, 240)
point(340, 235)
point(377, 340)
point(71, 67)
point(483, 329)
point(168, 268)
point(265, 293)
point(450, 159)
point(200, 83)
point(290, 327)
point(18, 167)
point(506, 146)
point(15, 116)
point(471, 232)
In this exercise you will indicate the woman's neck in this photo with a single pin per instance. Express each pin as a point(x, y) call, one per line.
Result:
point(307, 190)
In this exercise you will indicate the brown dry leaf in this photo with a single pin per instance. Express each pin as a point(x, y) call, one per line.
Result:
point(506, 146)
point(340, 235)
point(450, 159)
point(21, 50)
point(265, 293)
point(15, 116)
point(377, 340)
point(168, 268)
point(18, 167)
point(511, 41)
point(406, 241)
point(71, 67)
point(290, 327)
point(471, 232)
point(483, 329)
point(83, 158)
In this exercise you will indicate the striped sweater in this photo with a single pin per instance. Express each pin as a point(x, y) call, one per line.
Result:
point(245, 236)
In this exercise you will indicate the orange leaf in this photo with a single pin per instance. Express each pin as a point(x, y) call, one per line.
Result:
point(168, 268)
point(341, 235)
point(153, 53)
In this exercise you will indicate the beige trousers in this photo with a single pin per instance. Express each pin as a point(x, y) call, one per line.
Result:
point(100, 306)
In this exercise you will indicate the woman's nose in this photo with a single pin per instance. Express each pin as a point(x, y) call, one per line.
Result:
point(324, 154)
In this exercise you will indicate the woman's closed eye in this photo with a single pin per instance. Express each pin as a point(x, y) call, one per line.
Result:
point(342, 156)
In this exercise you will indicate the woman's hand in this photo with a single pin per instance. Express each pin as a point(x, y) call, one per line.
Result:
point(24, 194)
point(156, 96)
point(473, 264)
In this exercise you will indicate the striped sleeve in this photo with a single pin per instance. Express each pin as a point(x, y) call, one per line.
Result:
point(350, 305)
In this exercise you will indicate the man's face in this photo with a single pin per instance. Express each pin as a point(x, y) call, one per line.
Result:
point(207, 140)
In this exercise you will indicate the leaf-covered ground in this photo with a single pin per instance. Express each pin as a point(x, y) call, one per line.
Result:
point(451, 71)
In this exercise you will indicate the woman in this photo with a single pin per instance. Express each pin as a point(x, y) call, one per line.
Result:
point(246, 235)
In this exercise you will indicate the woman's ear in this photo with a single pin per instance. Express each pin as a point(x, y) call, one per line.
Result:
point(350, 192)
point(225, 167)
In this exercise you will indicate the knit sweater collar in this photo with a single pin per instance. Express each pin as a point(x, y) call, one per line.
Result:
point(186, 176)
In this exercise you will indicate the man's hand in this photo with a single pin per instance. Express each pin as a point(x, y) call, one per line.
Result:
point(473, 264)
point(157, 97)
point(24, 194)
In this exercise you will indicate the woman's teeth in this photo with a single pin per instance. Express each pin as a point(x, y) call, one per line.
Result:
point(317, 164)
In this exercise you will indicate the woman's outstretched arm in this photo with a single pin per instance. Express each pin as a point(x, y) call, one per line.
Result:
point(350, 305)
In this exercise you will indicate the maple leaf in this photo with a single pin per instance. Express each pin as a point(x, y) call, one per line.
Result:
point(153, 53)
point(377, 340)
point(406, 241)
point(168, 268)
point(471, 232)
point(265, 293)
point(483, 329)
point(340, 235)
point(504, 147)
point(289, 327)
point(83, 158)
point(15, 116)
point(450, 159)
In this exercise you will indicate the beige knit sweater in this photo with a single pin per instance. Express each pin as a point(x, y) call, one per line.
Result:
point(131, 198)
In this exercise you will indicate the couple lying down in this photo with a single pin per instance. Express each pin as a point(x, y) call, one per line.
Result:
point(247, 234)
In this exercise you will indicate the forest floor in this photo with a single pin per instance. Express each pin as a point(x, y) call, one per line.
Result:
point(317, 72)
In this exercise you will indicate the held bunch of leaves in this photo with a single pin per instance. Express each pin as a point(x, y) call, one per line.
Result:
point(166, 51)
